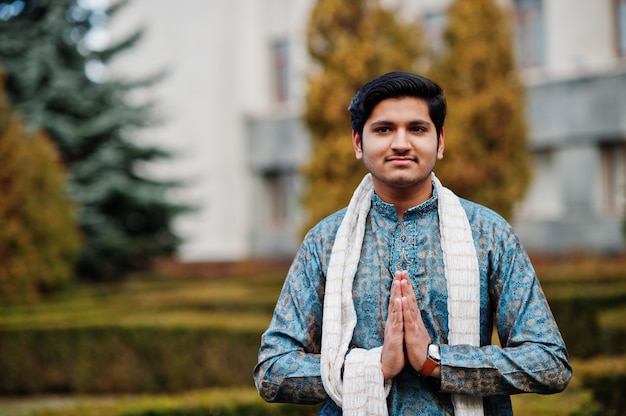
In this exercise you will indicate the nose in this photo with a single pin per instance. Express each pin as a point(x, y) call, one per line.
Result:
point(401, 141)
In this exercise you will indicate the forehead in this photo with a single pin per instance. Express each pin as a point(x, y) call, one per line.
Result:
point(400, 109)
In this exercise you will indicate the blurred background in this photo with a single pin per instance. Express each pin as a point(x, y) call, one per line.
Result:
point(234, 104)
point(160, 162)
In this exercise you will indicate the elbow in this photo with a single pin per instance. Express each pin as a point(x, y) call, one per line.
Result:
point(267, 391)
point(557, 380)
point(563, 381)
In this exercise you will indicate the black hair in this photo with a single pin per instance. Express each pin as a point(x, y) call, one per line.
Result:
point(397, 85)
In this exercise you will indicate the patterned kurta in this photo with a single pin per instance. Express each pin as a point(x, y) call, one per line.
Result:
point(532, 358)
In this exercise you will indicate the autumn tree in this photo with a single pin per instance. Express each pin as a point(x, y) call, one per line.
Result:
point(486, 156)
point(39, 239)
point(350, 43)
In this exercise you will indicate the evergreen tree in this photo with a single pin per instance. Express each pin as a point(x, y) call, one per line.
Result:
point(350, 43)
point(124, 216)
point(39, 239)
point(486, 157)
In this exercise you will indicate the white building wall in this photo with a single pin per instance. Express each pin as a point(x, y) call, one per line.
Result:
point(221, 76)
point(576, 41)
point(219, 71)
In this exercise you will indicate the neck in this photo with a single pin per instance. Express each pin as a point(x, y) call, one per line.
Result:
point(404, 199)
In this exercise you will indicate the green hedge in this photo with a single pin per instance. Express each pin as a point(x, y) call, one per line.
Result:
point(239, 410)
point(124, 360)
point(238, 401)
point(257, 409)
point(608, 392)
point(150, 359)
point(578, 321)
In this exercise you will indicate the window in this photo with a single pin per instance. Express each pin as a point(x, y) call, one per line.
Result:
point(620, 14)
point(280, 52)
point(614, 178)
point(544, 198)
point(529, 33)
point(278, 189)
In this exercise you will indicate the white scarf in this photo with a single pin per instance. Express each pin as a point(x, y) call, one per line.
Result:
point(362, 391)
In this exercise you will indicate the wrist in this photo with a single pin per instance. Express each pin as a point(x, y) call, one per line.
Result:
point(433, 360)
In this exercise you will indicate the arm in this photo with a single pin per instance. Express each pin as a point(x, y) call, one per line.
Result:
point(532, 356)
point(288, 369)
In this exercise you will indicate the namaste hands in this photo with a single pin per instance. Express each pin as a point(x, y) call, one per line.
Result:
point(406, 339)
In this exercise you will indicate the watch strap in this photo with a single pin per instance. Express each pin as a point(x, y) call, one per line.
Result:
point(428, 367)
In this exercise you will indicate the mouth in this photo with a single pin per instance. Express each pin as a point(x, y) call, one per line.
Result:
point(401, 160)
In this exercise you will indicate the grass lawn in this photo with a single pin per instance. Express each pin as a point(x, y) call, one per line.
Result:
point(135, 404)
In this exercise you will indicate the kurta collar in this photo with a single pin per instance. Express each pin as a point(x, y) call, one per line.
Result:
point(389, 211)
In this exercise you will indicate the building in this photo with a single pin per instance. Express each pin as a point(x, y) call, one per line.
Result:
point(234, 80)
point(572, 55)
point(232, 106)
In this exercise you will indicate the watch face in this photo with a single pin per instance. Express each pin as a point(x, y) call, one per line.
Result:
point(433, 351)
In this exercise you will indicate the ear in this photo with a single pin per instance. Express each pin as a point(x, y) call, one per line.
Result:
point(357, 144)
point(440, 144)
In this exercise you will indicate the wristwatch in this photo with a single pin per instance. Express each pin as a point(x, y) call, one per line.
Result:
point(433, 359)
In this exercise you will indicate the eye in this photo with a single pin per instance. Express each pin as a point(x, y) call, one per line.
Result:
point(382, 129)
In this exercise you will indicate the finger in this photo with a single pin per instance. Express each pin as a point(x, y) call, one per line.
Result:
point(392, 357)
point(397, 313)
point(409, 294)
point(396, 293)
point(410, 312)
point(394, 311)
point(408, 315)
point(414, 328)
point(407, 288)
point(394, 327)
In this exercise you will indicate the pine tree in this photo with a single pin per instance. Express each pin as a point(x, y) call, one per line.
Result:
point(124, 217)
point(39, 239)
point(350, 43)
point(486, 155)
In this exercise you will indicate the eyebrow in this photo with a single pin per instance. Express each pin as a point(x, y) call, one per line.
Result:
point(418, 122)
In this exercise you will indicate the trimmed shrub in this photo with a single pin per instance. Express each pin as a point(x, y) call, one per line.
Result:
point(578, 318)
point(124, 360)
point(605, 378)
point(238, 410)
point(209, 402)
point(39, 238)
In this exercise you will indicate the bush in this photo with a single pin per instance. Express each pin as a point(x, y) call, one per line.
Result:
point(212, 402)
point(586, 294)
point(579, 318)
point(238, 410)
point(39, 240)
point(608, 393)
point(605, 378)
point(124, 360)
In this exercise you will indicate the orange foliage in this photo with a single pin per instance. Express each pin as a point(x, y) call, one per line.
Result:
point(38, 235)
point(487, 158)
point(351, 43)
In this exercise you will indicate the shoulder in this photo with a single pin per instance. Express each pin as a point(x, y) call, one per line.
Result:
point(488, 226)
point(325, 230)
point(481, 214)
point(313, 256)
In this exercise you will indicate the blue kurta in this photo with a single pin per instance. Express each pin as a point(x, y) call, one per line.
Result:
point(532, 358)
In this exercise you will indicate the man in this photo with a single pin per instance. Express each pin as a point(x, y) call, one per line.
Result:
point(390, 304)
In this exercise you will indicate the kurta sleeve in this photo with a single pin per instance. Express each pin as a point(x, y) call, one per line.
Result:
point(531, 357)
point(288, 368)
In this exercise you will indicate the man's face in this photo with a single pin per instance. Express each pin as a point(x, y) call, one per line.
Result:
point(399, 146)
